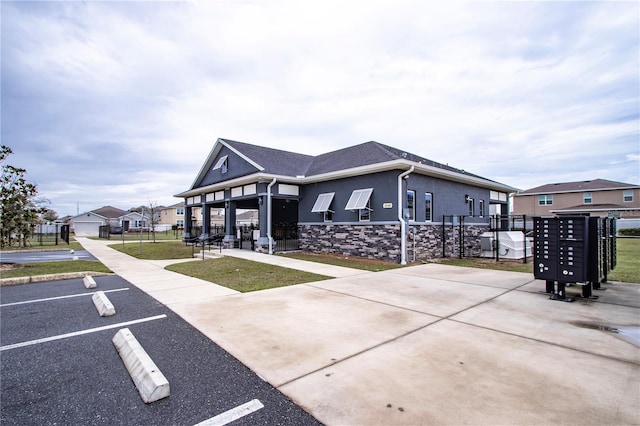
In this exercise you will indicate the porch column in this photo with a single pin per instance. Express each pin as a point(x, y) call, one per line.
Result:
point(262, 244)
point(229, 224)
point(187, 221)
point(206, 218)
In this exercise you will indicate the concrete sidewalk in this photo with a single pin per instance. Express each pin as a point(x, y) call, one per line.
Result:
point(427, 344)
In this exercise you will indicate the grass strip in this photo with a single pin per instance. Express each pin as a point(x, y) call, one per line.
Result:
point(348, 262)
point(244, 275)
point(157, 251)
point(46, 268)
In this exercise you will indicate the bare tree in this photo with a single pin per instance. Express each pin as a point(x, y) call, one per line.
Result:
point(154, 217)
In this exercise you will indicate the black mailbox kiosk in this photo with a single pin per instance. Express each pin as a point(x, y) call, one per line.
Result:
point(573, 249)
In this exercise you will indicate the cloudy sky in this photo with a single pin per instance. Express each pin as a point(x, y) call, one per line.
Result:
point(119, 103)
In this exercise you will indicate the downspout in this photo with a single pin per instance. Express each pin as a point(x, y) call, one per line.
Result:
point(403, 223)
point(273, 182)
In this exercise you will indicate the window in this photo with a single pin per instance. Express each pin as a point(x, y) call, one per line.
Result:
point(627, 196)
point(545, 200)
point(481, 208)
point(587, 198)
point(471, 206)
point(428, 209)
point(180, 223)
point(222, 164)
point(328, 216)
point(364, 214)
point(180, 210)
point(411, 205)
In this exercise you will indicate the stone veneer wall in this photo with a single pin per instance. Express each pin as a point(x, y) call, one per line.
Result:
point(383, 241)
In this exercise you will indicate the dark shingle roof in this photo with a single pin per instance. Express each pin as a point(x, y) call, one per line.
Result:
point(109, 212)
point(274, 161)
point(366, 154)
point(587, 185)
point(292, 164)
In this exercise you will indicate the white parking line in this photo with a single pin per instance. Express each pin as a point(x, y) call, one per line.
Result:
point(59, 297)
point(79, 333)
point(233, 414)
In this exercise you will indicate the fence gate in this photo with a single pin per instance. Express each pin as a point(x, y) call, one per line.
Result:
point(286, 238)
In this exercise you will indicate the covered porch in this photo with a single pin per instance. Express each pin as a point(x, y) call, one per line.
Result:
point(275, 231)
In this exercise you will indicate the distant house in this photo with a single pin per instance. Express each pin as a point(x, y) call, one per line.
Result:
point(87, 224)
point(598, 197)
point(174, 215)
point(357, 201)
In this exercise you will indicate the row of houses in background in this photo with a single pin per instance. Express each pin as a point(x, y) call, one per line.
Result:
point(168, 218)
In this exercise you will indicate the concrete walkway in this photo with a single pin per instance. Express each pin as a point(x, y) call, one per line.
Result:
point(427, 344)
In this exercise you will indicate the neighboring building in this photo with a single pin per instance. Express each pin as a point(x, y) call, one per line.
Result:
point(173, 215)
point(599, 197)
point(87, 224)
point(357, 201)
point(135, 221)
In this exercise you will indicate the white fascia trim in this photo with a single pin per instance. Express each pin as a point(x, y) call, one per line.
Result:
point(244, 180)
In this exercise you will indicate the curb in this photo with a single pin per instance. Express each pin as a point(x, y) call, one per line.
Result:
point(50, 277)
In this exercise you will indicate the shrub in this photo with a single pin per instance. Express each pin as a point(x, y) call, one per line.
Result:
point(630, 232)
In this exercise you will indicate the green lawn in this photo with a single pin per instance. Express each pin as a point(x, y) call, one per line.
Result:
point(61, 267)
point(627, 268)
point(244, 275)
point(159, 250)
point(628, 261)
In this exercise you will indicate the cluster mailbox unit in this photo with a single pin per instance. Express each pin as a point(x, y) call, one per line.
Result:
point(573, 250)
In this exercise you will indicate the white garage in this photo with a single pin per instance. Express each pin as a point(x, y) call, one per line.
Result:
point(87, 229)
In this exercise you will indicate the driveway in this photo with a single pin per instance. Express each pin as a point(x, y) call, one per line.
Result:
point(435, 344)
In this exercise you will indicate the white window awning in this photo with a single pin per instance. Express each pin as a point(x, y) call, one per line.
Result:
point(359, 199)
point(323, 202)
point(220, 162)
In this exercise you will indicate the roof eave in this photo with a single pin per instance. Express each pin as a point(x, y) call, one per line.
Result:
point(405, 165)
point(243, 180)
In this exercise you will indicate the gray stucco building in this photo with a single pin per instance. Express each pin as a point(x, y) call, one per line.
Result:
point(356, 201)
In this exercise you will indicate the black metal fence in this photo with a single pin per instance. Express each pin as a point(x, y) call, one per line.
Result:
point(461, 234)
point(55, 234)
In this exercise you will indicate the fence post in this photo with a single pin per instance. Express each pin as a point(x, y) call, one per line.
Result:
point(444, 236)
point(524, 231)
point(460, 237)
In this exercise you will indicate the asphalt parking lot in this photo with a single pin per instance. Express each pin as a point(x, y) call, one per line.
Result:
point(56, 368)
